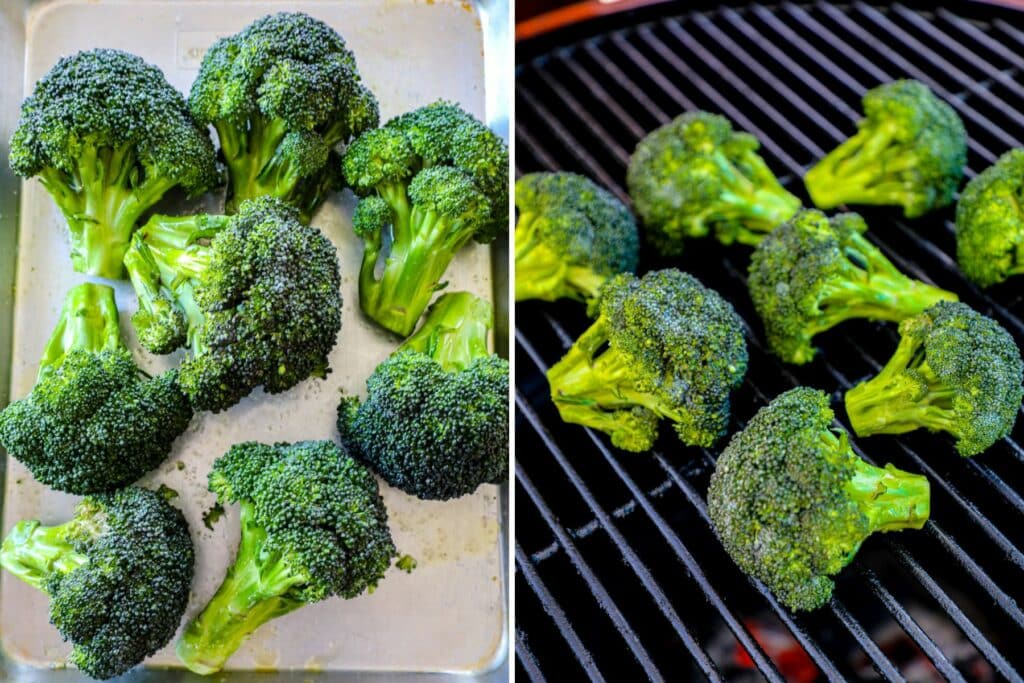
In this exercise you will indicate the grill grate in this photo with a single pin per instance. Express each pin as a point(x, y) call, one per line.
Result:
point(616, 560)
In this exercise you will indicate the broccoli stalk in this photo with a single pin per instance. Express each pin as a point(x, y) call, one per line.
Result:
point(255, 590)
point(88, 322)
point(542, 272)
point(455, 331)
point(36, 554)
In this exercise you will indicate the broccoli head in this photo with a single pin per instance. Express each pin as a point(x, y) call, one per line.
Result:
point(571, 236)
point(118, 576)
point(92, 422)
point(909, 150)
point(792, 503)
point(696, 174)
point(662, 346)
point(255, 297)
point(431, 180)
point(814, 272)
point(313, 526)
point(284, 93)
point(990, 222)
point(435, 421)
point(954, 371)
point(105, 160)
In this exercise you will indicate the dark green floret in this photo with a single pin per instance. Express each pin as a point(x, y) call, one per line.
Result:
point(954, 371)
point(571, 236)
point(792, 503)
point(118, 576)
point(255, 297)
point(106, 159)
point(814, 272)
point(662, 347)
point(93, 422)
point(990, 222)
point(909, 150)
point(313, 526)
point(284, 95)
point(435, 420)
point(696, 175)
point(430, 181)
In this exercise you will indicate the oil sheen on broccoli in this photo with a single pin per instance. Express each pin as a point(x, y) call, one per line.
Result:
point(792, 503)
point(990, 222)
point(662, 347)
point(909, 150)
point(255, 298)
point(313, 526)
point(284, 93)
point(430, 181)
point(118, 576)
point(571, 236)
point(954, 371)
point(435, 420)
point(108, 136)
point(814, 272)
point(93, 422)
point(695, 175)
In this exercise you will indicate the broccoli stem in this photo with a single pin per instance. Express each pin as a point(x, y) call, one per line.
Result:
point(248, 151)
point(422, 247)
point(759, 210)
point(894, 403)
point(88, 321)
point(542, 274)
point(881, 295)
point(33, 552)
point(861, 171)
point(890, 498)
point(102, 203)
point(254, 592)
point(454, 332)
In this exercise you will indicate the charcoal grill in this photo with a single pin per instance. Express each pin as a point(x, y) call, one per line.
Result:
point(619, 576)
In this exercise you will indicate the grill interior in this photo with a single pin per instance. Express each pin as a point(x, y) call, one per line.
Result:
point(619, 576)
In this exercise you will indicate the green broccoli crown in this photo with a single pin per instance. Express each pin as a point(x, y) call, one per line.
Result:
point(571, 236)
point(663, 346)
point(259, 292)
point(118, 576)
point(434, 178)
point(955, 371)
point(792, 503)
point(909, 151)
point(695, 175)
point(106, 160)
point(282, 94)
point(814, 272)
point(313, 526)
point(990, 222)
point(92, 422)
point(435, 420)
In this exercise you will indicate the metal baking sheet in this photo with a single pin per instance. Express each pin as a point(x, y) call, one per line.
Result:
point(449, 614)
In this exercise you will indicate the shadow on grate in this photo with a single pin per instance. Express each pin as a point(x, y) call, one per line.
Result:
point(619, 575)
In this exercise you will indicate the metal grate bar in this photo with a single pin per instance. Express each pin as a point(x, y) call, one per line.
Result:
point(557, 614)
point(972, 32)
point(618, 76)
point(527, 660)
point(593, 583)
point(878, 658)
point(598, 91)
point(631, 557)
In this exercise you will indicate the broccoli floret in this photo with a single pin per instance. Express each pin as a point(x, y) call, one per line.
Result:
point(118, 576)
point(313, 525)
point(954, 371)
point(284, 93)
point(696, 174)
point(432, 179)
point(93, 422)
point(570, 237)
point(909, 151)
point(662, 346)
point(435, 421)
point(255, 296)
point(814, 272)
point(990, 222)
point(108, 136)
point(792, 503)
